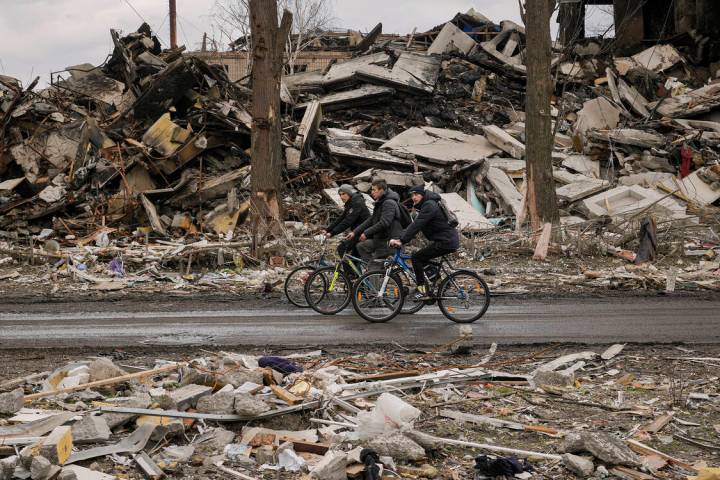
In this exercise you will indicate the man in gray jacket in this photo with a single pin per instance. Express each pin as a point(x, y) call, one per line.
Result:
point(384, 224)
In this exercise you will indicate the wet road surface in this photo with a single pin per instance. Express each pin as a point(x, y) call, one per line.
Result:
point(122, 324)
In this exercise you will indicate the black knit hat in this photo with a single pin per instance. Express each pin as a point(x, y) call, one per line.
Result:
point(418, 189)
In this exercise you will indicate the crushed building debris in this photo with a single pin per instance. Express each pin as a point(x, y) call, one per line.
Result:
point(137, 170)
point(613, 411)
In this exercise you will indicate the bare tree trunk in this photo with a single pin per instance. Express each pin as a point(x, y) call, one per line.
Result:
point(541, 199)
point(268, 41)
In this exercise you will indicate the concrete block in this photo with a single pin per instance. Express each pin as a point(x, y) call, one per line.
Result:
point(57, 447)
point(12, 402)
point(249, 405)
point(91, 429)
point(220, 403)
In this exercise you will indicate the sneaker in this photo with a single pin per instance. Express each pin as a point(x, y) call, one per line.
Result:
point(422, 294)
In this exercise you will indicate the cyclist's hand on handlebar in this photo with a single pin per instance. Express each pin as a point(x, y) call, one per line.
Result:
point(395, 243)
point(363, 237)
point(350, 236)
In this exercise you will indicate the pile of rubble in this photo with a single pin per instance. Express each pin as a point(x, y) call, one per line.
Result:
point(142, 164)
point(615, 414)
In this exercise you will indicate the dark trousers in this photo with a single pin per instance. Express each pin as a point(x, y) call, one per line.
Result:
point(421, 258)
point(375, 252)
point(348, 246)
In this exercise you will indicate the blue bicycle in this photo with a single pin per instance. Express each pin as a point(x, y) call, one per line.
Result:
point(462, 295)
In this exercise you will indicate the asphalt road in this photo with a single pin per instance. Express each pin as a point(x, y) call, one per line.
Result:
point(123, 324)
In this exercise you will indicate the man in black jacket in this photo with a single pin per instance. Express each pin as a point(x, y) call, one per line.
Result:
point(433, 223)
point(354, 214)
point(384, 224)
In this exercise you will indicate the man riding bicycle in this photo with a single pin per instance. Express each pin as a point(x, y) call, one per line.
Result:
point(384, 224)
point(434, 224)
point(354, 214)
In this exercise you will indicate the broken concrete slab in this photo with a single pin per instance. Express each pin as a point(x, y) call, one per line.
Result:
point(690, 104)
point(394, 179)
point(344, 72)
point(505, 188)
point(583, 165)
point(450, 39)
point(103, 369)
point(509, 34)
point(133, 443)
point(597, 114)
point(82, 473)
point(309, 126)
point(504, 141)
point(363, 95)
point(470, 219)
point(573, 192)
point(397, 446)
point(624, 201)
point(412, 72)
point(441, 146)
point(186, 397)
point(350, 147)
point(633, 98)
point(605, 447)
point(638, 138)
point(658, 58)
point(249, 405)
point(647, 179)
point(96, 86)
point(693, 188)
point(40, 468)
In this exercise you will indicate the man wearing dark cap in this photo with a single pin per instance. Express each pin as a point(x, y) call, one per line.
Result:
point(434, 224)
point(354, 214)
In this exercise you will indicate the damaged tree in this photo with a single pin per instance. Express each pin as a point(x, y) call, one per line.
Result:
point(268, 42)
point(541, 199)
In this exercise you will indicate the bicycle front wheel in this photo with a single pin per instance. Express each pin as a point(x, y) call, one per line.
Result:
point(328, 290)
point(295, 285)
point(378, 298)
point(463, 297)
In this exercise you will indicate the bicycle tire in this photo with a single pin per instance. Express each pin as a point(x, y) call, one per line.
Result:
point(414, 306)
point(293, 297)
point(319, 301)
point(362, 289)
point(475, 284)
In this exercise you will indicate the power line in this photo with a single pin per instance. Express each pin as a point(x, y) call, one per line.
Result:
point(141, 17)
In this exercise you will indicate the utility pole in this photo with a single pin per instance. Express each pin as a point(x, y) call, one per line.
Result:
point(268, 44)
point(173, 24)
point(541, 199)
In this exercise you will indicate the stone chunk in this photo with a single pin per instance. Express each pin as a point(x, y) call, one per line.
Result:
point(397, 446)
point(188, 396)
point(605, 447)
point(103, 368)
point(580, 466)
point(7, 467)
point(40, 468)
point(249, 405)
point(554, 379)
point(91, 429)
point(12, 402)
point(332, 467)
point(220, 403)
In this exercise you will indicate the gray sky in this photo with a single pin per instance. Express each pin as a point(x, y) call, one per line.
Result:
point(40, 36)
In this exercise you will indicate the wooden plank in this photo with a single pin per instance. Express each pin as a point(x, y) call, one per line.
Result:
point(104, 383)
point(285, 396)
point(658, 424)
point(308, 447)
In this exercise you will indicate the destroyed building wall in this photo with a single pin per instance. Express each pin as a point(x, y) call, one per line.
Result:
point(237, 65)
point(639, 23)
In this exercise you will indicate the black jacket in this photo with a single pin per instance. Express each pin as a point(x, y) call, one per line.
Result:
point(432, 223)
point(354, 213)
point(384, 223)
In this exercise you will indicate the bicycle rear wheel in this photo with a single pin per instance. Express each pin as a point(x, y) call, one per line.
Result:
point(328, 290)
point(372, 302)
point(295, 285)
point(463, 297)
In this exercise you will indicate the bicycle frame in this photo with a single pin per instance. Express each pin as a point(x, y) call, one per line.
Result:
point(350, 260)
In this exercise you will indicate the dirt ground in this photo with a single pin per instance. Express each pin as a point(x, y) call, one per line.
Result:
point(619, 396)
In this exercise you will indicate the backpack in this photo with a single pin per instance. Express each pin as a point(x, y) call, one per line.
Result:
point(449, 215)
point(404, 216)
